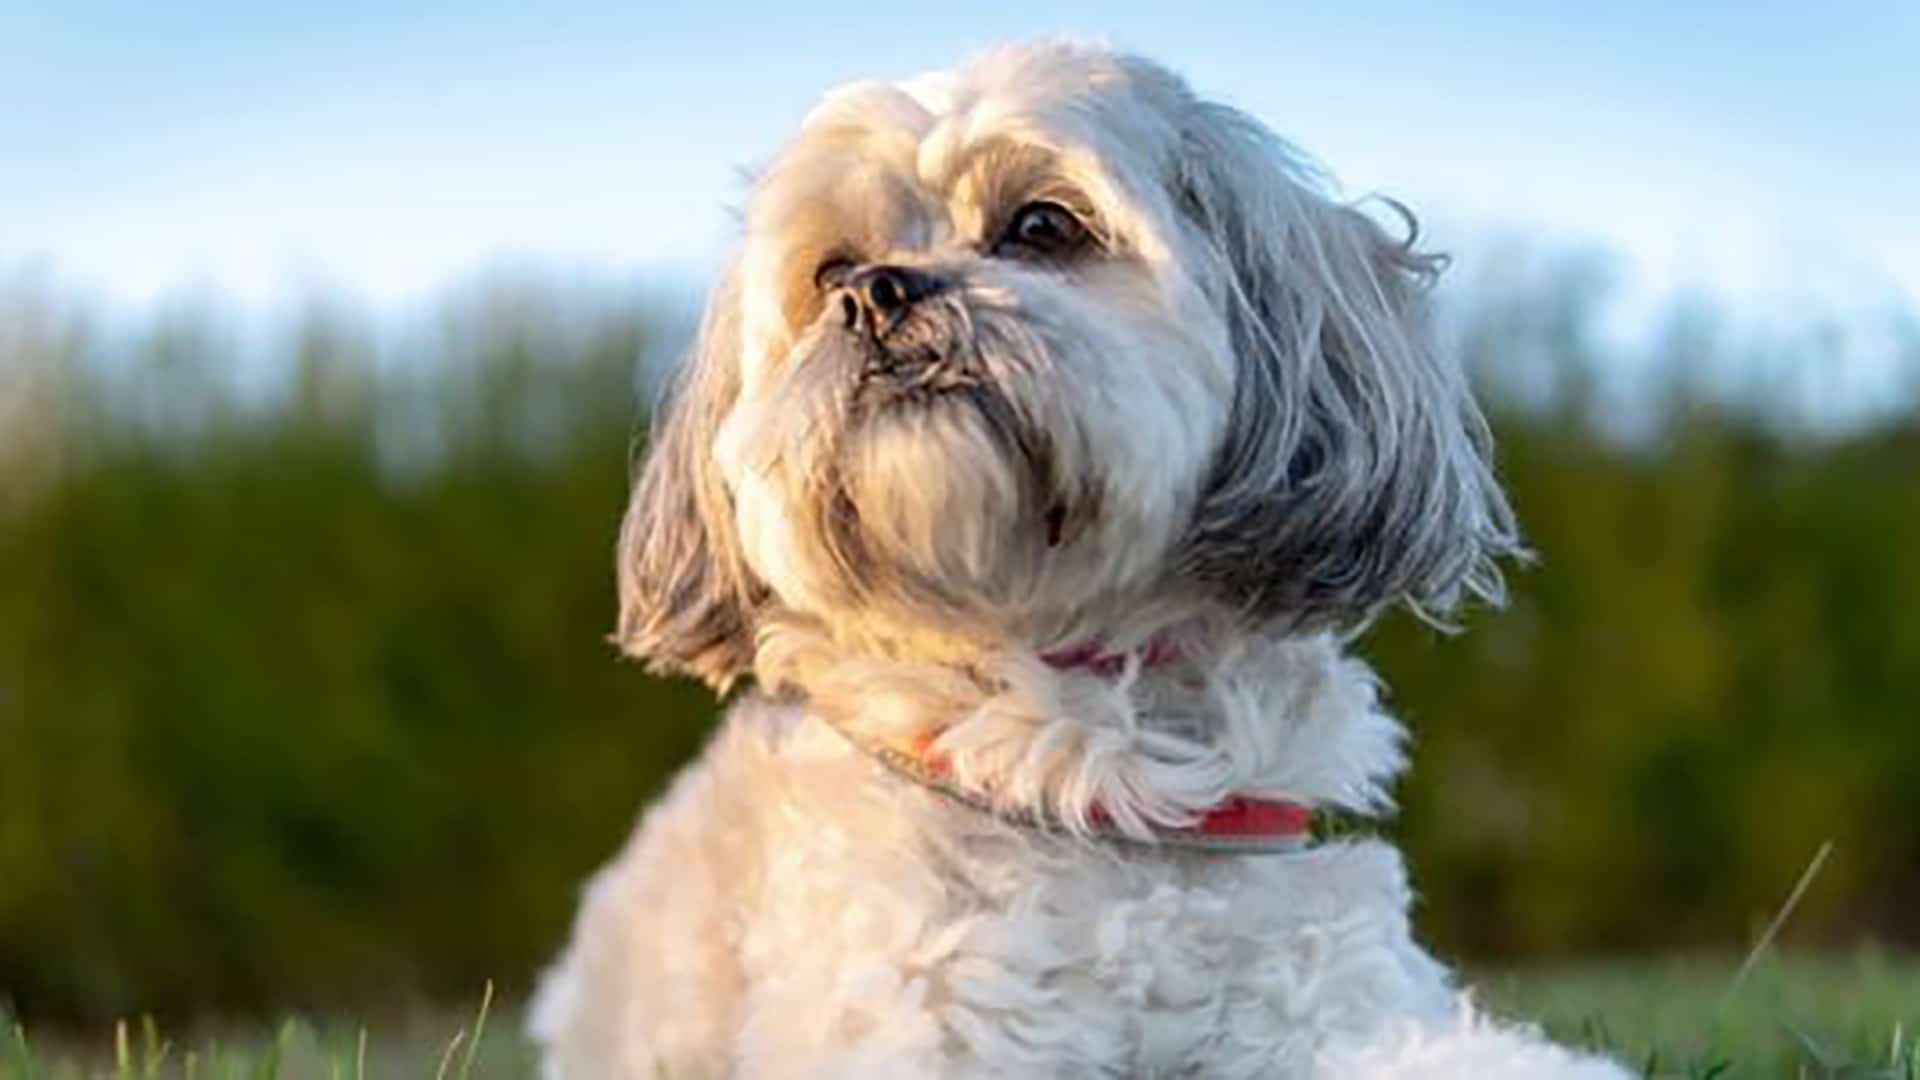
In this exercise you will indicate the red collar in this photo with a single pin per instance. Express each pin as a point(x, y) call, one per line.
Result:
point(1243, 817)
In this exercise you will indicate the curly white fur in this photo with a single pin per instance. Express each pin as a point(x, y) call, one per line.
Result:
point(1210, 427)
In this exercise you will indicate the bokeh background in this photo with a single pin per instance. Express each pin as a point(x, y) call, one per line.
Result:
point(325, 334)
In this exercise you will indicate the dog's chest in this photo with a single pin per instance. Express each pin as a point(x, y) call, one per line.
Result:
point(896, 925)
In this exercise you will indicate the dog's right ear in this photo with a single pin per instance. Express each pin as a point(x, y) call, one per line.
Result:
point(1357, 471)
point(686, 594)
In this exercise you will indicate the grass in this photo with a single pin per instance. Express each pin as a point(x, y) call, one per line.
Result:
point(479, 1046)
point(1853, 1017)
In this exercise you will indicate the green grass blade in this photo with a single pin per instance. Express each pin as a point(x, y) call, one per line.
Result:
point(23, 1053)
point(446, 1057)
point(479, 1030)
point(276, 1057)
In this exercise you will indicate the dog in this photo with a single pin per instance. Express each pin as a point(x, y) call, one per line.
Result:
point(1052, 435)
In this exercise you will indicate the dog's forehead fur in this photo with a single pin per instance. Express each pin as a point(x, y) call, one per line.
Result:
point(931, 167)
point(1064, 98)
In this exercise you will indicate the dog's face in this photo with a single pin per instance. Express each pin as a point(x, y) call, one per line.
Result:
point(1021, 352)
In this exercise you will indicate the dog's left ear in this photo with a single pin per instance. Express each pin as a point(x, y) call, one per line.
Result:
point(1356, 472)
point(687, 598)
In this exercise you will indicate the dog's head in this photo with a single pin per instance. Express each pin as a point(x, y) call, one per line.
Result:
point(1021, 351)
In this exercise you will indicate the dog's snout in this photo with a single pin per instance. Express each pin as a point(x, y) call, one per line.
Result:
point(879, 295)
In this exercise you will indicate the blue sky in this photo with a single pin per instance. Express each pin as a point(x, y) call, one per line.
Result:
point(1760, 151)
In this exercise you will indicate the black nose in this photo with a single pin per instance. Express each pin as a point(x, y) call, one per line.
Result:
point(879, 295)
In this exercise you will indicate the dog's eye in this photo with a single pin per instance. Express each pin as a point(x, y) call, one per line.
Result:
point(1042, 228)
point(832, 272)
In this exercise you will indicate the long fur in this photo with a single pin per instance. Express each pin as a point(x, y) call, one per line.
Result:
point(1358, 470)
point(686, 595)
point(1217, 430)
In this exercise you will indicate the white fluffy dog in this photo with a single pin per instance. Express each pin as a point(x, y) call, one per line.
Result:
point(1051, 435)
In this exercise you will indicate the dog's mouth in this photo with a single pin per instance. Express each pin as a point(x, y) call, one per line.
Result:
point(916, 361)
point(914, 376)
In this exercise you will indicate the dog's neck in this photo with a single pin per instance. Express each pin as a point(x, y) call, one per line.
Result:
point(1148, 737)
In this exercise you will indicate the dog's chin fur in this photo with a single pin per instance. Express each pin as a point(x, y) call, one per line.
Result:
point(1216, 434)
